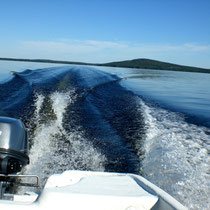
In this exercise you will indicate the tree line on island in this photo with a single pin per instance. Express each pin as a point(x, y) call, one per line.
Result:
point(140, 63)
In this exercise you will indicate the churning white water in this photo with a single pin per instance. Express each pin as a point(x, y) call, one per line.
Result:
point(53, 148)
point(175, 152)
point(176, 156)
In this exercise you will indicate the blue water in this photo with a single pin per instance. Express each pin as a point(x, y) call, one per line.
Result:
point(183, 92)
point(149, 122)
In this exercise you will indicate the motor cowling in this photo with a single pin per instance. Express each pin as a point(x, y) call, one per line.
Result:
point(13, 146)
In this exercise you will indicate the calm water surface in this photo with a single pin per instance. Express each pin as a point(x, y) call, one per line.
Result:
point(184, 92)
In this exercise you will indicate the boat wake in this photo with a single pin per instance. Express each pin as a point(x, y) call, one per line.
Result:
point(176, 156)
point(84, 119)
point(76, 118)
point(54, 149)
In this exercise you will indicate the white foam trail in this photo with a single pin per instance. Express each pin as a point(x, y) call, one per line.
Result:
point(53, 149)
point(60, 102)
point(38, 104)
point(176, 156)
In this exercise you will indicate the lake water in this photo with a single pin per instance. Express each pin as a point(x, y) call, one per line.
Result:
point(150, 122)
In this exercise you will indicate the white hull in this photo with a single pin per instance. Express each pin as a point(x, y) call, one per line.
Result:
point(95, 190)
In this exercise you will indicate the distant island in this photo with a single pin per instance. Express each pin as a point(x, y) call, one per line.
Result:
point(140, 63)
point(153, 64)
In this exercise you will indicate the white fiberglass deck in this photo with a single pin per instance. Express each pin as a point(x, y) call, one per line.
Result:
point(95, 190)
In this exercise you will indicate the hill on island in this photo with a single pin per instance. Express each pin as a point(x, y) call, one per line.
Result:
point(153, 64)
point(140, 63)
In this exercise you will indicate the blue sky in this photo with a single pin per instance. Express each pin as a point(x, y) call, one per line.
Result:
point(176, 31)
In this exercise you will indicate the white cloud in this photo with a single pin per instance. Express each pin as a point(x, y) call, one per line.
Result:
point(197, 47)
point(169, 47)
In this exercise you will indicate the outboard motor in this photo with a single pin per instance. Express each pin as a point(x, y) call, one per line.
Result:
point(13, 157)
point(13, 146)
